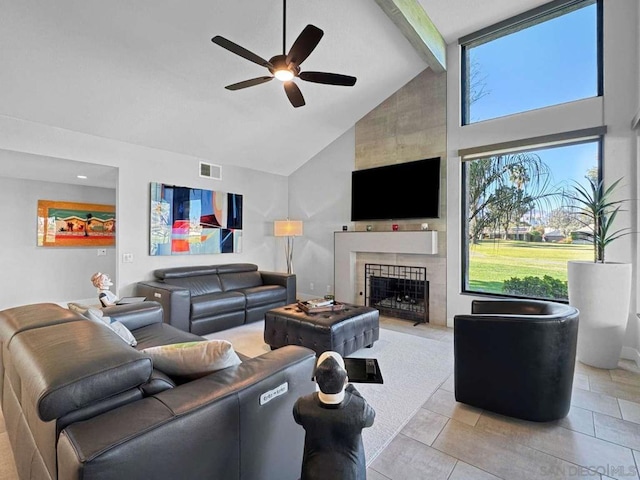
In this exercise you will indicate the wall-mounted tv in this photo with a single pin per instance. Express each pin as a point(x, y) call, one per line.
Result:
point(394, 192)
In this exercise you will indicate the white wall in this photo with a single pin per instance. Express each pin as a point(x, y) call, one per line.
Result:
point(320, 195)
point(33, 274)
point(265, 195)
point(614, 110)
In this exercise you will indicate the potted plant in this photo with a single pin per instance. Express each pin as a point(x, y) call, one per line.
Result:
point(600, 290)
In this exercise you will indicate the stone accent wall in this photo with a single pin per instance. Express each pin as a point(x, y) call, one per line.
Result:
point(410, 125)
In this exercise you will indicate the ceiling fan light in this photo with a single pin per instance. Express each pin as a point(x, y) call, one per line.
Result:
point(284, 75)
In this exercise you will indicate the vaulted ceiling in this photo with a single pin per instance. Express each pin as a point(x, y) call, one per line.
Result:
point(146, 71)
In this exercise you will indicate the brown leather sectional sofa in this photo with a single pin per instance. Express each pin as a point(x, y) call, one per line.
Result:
point(79, 403)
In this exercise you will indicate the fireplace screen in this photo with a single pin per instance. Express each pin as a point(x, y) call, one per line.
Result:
point(398, 291)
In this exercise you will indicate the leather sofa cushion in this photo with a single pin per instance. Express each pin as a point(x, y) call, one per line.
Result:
point(198, 285)
point(216, 303)
point(235, 281)
point(159, 382)
point(68, 366)
point(185, 272)
point(264, 294)
point(161, 334)
point(237, 268)
point(19, 319)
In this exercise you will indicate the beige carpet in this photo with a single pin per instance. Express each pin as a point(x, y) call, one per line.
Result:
point(412, 368)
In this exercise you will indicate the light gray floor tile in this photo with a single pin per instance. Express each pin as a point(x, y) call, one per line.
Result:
point(444, 403)
point(636, 456)
point(630, 410)
point(7, 466)
point(622, 390)
point(464, 471)
point(579, 420)
point(574, 447)
point(629, 365)
point(596, 402)
point(425, 426)
point(405, 458)
point(592, 372)
point(449, 384)
point(374, 475)
point(625, 375)
point(503, 457)
point(581, 380)
point(617, 431)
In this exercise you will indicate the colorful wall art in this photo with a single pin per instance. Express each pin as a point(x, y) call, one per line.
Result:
point(192, 221)
point(69, 224)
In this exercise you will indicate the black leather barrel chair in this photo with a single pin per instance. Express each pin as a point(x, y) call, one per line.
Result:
point(516, 357)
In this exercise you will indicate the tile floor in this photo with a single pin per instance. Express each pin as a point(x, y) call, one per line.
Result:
point(599, 439)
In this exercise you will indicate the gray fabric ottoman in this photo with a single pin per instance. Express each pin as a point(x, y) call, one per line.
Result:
point(343, 331)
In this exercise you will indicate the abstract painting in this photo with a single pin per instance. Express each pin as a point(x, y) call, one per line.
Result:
point(70, 224)
point(193, 221)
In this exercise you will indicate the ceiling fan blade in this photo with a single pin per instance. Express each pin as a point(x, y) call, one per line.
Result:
point(304, 44)
point(328, 78)
point(248, 83)
point(238, 50)
point(294, 94)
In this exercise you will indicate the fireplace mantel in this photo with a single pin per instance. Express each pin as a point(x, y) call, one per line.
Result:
point(347, 244)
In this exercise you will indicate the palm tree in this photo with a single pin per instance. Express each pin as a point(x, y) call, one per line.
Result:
point(487, 176)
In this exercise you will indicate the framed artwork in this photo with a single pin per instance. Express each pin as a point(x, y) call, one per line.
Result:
point(193, 221)
point(70, 224)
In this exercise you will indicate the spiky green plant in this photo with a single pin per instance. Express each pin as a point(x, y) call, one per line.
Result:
point(596, 210)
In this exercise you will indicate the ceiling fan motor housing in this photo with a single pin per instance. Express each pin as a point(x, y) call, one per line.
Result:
point(279, 62)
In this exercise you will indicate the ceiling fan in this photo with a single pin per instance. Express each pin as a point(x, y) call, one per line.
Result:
point(286, 67)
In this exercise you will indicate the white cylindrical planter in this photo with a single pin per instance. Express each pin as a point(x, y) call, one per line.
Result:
point(602, 292)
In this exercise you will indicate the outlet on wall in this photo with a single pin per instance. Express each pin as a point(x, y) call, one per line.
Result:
point(328, 288)
point(311, 286)
point(102, 252)
point(127, 258)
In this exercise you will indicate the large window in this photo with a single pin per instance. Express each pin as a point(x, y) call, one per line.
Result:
point(545, 57)
point(520, 232)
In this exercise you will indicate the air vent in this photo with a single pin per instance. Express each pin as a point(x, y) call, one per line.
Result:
point(209, 170)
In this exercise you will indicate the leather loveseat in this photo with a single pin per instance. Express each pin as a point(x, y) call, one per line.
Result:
point(206, 299)
point(80, 403)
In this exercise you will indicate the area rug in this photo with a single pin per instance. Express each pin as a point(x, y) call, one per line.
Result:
point(412, 368)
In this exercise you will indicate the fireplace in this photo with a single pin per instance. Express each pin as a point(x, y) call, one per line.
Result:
point(398, 291)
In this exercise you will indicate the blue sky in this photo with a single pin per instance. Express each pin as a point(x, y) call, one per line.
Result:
point(547, 64)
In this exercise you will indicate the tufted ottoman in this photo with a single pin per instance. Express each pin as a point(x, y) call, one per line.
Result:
point(343, 331)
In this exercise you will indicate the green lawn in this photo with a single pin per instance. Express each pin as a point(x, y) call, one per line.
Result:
point(493, 261)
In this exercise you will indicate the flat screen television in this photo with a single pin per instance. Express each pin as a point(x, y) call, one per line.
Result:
point(395, 192)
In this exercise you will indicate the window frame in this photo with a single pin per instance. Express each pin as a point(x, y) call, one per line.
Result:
point(519, 22)
point(525, 146)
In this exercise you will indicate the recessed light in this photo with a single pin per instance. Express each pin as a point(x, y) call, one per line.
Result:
point(82, 177)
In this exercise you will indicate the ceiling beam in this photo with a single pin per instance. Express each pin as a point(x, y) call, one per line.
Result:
point(417, 27)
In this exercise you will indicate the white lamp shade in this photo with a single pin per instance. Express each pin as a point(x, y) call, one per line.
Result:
point(287, 228)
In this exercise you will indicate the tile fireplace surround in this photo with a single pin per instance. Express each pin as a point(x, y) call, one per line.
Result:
point(414, 248)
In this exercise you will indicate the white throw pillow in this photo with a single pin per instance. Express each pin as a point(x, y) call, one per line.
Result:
point(193, 359)
point(123, 332)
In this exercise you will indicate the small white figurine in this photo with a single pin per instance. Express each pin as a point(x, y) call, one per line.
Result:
point(102, 282)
